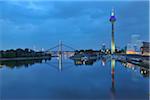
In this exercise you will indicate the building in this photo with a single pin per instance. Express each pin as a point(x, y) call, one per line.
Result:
point(145, 49)
point(135, 44)
point(130, 49)
point(103, 47)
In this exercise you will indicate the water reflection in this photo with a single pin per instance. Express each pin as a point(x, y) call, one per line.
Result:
point(103, 61)
point(26, 63)
point(87, 82)
point(21, 63)
point(60, 62)
point(113, 78)
point(84, 61)
point(143, 71)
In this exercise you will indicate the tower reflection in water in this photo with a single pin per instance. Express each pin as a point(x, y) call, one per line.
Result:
point(113, 78)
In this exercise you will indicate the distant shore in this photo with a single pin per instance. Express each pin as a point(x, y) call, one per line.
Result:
point(25, 58)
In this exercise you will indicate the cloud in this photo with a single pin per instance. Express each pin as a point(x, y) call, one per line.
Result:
point(84, 22)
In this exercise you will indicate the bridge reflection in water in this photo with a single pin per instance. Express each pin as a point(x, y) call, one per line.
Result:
point(95, 71)
point(61, 62)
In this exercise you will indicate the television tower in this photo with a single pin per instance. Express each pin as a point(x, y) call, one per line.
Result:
point(112, 20)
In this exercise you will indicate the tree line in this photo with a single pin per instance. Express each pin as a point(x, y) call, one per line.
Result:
point(106, 51)
point(22, 53)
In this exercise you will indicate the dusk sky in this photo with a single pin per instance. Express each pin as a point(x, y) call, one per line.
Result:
point(80, 24)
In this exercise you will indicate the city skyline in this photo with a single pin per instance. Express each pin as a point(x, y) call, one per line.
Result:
point(83, 25)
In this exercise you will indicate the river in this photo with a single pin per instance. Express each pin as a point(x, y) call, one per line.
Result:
point(102, 79)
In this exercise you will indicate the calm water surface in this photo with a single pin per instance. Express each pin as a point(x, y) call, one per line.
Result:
point(103, 79)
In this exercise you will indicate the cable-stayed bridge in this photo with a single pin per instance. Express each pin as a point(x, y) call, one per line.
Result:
point(61, 49)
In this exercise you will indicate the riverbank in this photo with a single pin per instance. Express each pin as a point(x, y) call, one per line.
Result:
point(25, 58)
point(134, 59)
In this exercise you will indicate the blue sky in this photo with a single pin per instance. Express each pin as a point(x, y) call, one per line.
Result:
point(80, 24)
